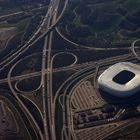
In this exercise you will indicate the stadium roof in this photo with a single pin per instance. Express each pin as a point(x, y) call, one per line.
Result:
point(121, 79)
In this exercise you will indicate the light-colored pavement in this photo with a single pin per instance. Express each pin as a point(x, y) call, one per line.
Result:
point(133, 49)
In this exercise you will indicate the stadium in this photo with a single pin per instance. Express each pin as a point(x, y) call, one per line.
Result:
point(121, 79)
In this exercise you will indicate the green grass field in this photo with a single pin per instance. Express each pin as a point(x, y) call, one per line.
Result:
point(9, 10)
point(20, 25)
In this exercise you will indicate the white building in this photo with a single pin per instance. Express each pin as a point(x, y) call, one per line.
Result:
point(121, 79)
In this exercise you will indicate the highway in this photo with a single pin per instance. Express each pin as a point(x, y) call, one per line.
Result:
point(19, 13)
point(55, 70)
point(88, 47)
point(133, 49)
point(49, 67)
point(48, 23)
point(46, 59)
point(46, 135)
point(25, 46)
point(47, 46)
point(69, 91)
point(107, 61)
point(71, 67)
point(50, 100)
point(35, 38)
point(23, 107)
point(72, 82)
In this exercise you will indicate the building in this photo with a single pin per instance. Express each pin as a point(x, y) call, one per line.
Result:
point(121, 79)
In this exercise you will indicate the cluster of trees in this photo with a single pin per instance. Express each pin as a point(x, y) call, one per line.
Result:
point(35, 20)
point(90, 20)
point(99, 25)
point(17, 18)
point(130, 26)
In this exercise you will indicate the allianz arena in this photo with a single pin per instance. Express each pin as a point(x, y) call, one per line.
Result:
point(121, 79)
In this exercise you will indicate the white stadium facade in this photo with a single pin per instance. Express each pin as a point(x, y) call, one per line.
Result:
point(121, 79)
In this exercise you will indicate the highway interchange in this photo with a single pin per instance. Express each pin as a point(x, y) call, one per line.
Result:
point(62, 97)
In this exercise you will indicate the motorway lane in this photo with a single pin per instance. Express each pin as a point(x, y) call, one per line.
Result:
point(68, 91)
point(21, 103)
point(46, 135)
point(117, 58)
point(49, 78)
point(24, 91)
point(16, 55)
point(20, 12)
point(74, 83)
point(55, 70)
point(49, 130)
point(125, 56)
point(23, 107)
point(69, 53)
point(32, 41)
point(74, 67)
point(43, 72)
point(133, 49)
point(65, 85)
point(87, 47)
point(67, 98)
point(15, 94)
point(24, 96)
point(50, 74)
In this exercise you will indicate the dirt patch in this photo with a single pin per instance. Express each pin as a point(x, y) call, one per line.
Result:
point(6, 34)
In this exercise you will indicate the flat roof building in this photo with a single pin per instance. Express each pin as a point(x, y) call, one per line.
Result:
point(121, 79)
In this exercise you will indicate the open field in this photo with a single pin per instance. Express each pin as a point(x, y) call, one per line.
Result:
point(6, 34)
